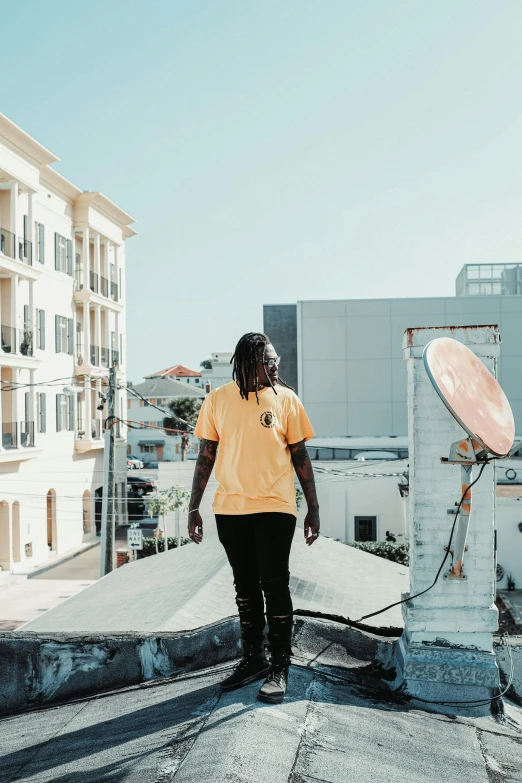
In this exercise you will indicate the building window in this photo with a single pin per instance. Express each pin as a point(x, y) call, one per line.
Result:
point(365, 529)
point(64, 334)
point(128, 403)
point(153, 401)
point(197, 380)
point(141, 403)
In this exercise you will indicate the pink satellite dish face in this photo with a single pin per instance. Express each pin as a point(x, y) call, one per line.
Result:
point(471, 394)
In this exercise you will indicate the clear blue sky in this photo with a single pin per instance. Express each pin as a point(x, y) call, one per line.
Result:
point(276, 150)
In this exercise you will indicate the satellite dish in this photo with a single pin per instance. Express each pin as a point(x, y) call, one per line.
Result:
point(471, 394)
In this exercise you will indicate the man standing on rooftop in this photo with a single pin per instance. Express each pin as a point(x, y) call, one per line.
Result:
point(261, 427)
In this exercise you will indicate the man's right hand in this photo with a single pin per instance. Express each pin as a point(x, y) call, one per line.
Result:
point(195, 527)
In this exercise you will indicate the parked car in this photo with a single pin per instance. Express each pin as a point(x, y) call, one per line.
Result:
point(134, 462)
point(138, 486)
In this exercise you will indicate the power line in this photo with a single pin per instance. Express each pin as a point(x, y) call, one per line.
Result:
point(167, 414)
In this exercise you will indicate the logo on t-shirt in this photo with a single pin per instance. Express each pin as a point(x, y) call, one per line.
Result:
point(268, 419)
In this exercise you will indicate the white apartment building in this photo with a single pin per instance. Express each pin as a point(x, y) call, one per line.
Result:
point(221, 371)
point(62, 317)
point(150, 442)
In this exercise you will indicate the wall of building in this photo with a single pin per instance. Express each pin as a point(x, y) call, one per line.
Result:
point(509, 539)
point(351, 374)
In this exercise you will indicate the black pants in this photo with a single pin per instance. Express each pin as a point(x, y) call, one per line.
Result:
point(258, 549)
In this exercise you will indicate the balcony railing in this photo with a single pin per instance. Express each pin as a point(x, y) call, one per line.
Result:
point(25, 338)
point(115, 359)
point(16, 247)
point(96, 429)
point(7, 243)
point(104, 352)
point(93, 280)
point(95, 355)
point(114, 291)
point(9, 435)
point(27, 433)
point(104, 286)
point(8, 335)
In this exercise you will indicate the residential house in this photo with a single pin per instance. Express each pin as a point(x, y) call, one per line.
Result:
point(147, 407)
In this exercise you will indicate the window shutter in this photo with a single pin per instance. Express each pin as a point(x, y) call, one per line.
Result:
point(26, 232)
point(57, 251)
point(69, 257)
point(41, 318)
point(43, 412)
point(70, 336)
point(70, 409)
point(57, 332)
point(26, 316)
point(41, 242)
point(58, 411)
point(26, 401)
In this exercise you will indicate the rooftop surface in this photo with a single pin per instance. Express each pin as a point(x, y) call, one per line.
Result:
point(192, 586)
point(177, 370)
point(167, 387)
point(337, 725)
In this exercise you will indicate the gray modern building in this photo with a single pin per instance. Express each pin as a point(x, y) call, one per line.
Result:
point(346, 355)
point(488, 279)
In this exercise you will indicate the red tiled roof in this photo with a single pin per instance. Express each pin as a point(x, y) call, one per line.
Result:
point(177, 371)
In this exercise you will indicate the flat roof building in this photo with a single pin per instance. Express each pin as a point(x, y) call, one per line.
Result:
point(347, 355)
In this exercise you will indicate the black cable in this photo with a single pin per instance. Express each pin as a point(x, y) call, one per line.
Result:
point(167, 414)
point(411, 597)
point(411, 697)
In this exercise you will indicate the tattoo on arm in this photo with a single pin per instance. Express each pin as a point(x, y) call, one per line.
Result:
point(305, 472)
point(204, 466)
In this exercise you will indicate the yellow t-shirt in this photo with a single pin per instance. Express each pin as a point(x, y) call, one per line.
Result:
point(253, 465)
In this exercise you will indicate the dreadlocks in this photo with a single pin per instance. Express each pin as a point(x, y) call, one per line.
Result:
point(249, 350)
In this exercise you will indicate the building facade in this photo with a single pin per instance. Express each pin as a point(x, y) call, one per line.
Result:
point(62, 315)
point(147, 406)
point(180, 373)
point(221, 371)
point(488, 279)
point(350, 372)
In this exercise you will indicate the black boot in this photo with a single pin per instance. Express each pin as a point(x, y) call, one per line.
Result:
point(252, 666)
point(274, 688)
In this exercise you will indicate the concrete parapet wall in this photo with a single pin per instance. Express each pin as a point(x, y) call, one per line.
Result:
point(40, 669)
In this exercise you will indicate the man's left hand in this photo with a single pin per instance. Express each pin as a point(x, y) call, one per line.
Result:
point(311, 526)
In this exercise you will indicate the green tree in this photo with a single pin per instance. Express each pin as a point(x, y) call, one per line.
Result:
point(185, 411)
point(206, 364)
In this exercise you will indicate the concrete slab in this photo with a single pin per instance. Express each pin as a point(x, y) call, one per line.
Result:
point(191, 587)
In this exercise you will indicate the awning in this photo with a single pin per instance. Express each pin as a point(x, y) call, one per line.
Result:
point(151, 443)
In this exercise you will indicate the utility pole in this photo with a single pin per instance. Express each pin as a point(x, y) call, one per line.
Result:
point(109, 488)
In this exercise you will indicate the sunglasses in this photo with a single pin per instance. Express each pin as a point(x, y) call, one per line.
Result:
point(272, 362)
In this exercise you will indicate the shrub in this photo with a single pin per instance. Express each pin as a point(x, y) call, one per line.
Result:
point(398, 553)
point(149, 546)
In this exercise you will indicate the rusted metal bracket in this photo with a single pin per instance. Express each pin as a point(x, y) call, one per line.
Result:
point(466, 453)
